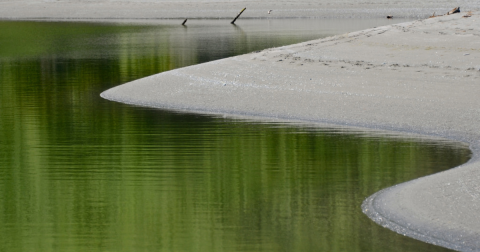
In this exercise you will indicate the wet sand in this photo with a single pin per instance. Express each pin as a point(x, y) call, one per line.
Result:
point(417, 77)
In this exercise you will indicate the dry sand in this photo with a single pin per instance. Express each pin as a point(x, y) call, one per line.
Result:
point(421, 77)
point(417, 77)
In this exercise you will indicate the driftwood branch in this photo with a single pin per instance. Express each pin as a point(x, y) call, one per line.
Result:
point(455, 10)
point(235, 19)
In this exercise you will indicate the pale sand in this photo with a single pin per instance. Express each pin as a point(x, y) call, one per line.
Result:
point(421, 77)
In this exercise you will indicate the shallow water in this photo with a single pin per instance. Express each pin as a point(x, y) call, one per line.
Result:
point(79, 173)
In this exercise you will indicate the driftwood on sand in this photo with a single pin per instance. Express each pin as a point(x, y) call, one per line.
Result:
point(454, 10)
point(469, 14)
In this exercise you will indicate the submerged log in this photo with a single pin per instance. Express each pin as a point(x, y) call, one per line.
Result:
point(235, 19)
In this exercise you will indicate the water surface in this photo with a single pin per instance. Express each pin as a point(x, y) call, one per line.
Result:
point(79, 173)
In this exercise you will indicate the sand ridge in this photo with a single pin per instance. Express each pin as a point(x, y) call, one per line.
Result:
point(421, 77)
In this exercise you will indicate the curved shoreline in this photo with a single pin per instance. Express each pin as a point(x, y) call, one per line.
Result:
point(457, 237)
point(419, 77)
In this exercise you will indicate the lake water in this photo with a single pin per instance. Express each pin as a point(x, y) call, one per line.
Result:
point(79, 173)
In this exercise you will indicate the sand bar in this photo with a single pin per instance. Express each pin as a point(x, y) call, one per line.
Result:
point(417, 77)
point(421, 77)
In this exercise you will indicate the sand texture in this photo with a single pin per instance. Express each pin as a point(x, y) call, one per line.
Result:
point(418, 77)
point(421, 77)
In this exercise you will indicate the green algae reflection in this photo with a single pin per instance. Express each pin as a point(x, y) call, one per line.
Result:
point(78, 173)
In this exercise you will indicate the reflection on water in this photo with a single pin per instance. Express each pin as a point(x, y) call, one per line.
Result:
point(78, 173)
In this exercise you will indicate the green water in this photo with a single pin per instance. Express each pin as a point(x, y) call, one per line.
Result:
point(79, 173)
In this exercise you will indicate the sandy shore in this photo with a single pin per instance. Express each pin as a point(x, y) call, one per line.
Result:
point(421, 77)
point(418, 77)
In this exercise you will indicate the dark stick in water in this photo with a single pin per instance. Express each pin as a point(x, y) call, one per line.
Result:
point(235, 19)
